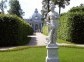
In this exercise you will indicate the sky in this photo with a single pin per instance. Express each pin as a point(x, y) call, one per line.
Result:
point(29, 6)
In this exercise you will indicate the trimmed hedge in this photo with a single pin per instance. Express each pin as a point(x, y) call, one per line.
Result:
point(14, 31)
point(63, 31)
point(45, 29)
point(72, 27)
point(77, 27)
point(77, 9)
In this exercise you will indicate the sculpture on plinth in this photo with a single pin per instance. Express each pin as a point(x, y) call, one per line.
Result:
point(52, 23)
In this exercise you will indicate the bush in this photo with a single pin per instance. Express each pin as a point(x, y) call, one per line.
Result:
point(63, 31)
point(72, 27)
point(77, 27)
point(14, 31)
point(45, 29)
point(77, 9)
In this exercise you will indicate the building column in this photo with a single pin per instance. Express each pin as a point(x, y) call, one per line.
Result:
point(34, 27)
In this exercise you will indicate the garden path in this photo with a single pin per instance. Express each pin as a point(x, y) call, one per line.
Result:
point(38, 39)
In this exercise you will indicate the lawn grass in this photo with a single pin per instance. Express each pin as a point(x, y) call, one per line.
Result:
point(38, 54)
point(25, 55)
point(63, 41)
point(71, 54)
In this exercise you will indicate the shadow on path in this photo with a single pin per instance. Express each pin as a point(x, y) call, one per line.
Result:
point(33, 41)
point(38, 39)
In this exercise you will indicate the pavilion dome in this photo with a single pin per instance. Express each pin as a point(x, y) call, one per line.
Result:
point(36, 16)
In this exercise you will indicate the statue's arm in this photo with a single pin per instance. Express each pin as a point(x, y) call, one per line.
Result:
point(57, 16)
point(48, 19)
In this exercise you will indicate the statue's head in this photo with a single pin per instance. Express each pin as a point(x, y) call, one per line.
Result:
point(52, 6)
point(43, 3)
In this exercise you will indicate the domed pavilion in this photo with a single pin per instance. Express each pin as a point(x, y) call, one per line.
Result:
point(36, 21)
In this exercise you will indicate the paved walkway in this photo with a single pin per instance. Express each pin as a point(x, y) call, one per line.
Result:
point(38, 39)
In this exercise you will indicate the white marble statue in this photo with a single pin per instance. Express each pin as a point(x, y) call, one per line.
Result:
point(52, 22)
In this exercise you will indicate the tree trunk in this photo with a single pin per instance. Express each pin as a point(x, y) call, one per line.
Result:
point(48, 5)
point(59, 10)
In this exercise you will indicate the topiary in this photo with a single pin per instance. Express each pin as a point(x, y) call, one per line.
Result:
point(76, 20)
point(72, 27)
point(14, 31)
point(63, 31)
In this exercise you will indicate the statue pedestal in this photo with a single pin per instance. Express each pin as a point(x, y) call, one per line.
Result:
point(52, 53)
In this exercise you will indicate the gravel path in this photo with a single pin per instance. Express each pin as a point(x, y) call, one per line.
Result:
point(38, 39)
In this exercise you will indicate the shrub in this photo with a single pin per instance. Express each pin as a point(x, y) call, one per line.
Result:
point(14, 31)
point(76, 21)
point(77, 9)
point(63, 31)
point(72, 27)
point(45, 29)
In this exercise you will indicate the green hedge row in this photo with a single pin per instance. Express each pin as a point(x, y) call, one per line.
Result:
point(64, 27)
point(14, 31)
point(76, 21)
point(72, 27)
point(77, 9)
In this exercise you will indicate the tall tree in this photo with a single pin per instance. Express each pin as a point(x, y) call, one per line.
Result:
point(61, 4)
point(3, 5)
point(82, 5)
point(15, 8)
point(48, 5)
point(45, 7)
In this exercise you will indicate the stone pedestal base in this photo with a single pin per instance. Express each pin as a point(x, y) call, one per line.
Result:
point(52, 53)
point(52, 59)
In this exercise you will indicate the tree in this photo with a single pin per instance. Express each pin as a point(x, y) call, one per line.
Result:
point(45, 8)
point(82, 5)
point(48, 5)
point(3, 5)
point(61, 4)
point(79, 8)
point(15, 8)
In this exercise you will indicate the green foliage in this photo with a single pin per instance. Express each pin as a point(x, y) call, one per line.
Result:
point(45, 29)
point(76, 21)
point(13, 31)
point(72, 27)
point(15, 8)
point(77, 9)
point(45, 8)
point(61, 3)
point(63, 31)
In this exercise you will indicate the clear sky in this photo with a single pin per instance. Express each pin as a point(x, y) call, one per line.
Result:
point(29, 6)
